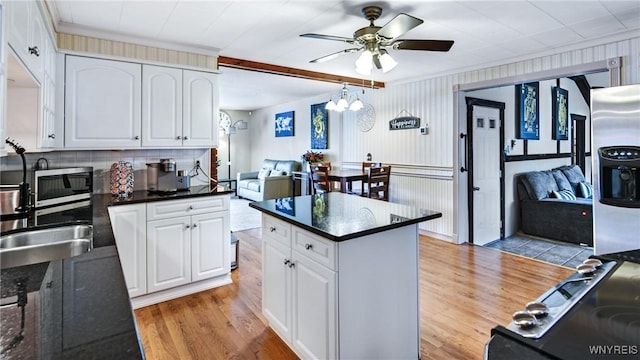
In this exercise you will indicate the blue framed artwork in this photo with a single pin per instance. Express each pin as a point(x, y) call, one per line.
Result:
point(284, 124)
point(560, 114)
point(319, 126)
point(527, 105)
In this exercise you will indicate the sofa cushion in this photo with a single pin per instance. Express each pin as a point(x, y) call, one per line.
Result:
point(564, 194)
point(287, 166)
point(253, 185)
point(263, 173)
point(540, 183)
point(561, 180)
point(277, 173)
point(574, 174)
point(269, 164)
point(586, 190)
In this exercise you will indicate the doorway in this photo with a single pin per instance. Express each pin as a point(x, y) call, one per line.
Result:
point(485, 119)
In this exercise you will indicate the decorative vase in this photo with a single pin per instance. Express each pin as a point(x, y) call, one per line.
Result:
point(121, 179)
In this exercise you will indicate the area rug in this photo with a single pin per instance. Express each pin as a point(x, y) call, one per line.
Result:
point(244, 217)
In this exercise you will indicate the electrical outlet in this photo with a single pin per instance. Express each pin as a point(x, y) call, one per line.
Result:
point(197, 163)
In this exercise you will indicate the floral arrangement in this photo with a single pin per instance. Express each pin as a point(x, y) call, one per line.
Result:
point(312, 156)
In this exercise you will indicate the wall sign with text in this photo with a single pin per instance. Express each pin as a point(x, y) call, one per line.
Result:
point(404, 122)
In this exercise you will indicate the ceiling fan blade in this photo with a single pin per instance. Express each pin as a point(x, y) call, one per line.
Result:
point(329, 37)
point(427, 45)
point(398, 26)
point(334, 55)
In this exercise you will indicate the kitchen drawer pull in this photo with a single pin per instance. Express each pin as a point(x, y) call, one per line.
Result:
point(190, 207)
point(178, 137)
point(308, 246)
point(51, 136)
point(34, 51)
point(286, 261)
point(272, 229)
point(186, 138)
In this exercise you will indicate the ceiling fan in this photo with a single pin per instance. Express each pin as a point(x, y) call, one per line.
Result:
point(373, 40)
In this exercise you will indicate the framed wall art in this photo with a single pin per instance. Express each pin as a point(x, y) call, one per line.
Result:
point(527, 107)
point(560, 114)
point(284, 124)
point(319, 129)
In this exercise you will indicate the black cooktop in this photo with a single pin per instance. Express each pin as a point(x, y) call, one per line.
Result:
point(604, 324)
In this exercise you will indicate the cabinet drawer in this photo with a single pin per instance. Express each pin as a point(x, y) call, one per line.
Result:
point(276, 229)
point(174, 208)
point(321, 250)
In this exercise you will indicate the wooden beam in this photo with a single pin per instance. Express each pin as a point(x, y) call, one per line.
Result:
point(234, 63)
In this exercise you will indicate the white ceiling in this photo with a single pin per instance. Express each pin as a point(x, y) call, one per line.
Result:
point(267, 31)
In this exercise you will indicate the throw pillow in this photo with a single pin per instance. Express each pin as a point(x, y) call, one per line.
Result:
point(542, 183)
point(586, 190)
point(564, 195)
point(263, 173)
point(277, 173)
point(561, 180)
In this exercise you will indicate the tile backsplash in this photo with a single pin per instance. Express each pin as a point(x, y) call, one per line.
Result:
point(101, 161)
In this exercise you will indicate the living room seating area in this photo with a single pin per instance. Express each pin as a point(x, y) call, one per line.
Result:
point(556, 204)
point(273, 180)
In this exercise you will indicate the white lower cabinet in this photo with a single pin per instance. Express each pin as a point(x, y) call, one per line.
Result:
point(298, 294)
point(352, 299)
point(173, 248)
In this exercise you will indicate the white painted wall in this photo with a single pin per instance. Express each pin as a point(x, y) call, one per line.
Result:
point(425, 167)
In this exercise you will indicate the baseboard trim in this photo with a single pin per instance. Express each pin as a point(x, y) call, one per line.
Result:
point(169, 294)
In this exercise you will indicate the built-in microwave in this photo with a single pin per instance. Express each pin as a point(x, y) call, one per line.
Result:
point(58, 186)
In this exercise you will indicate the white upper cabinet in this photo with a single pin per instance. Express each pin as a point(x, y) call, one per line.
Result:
point(200, 109)
point(102, 103)
point(179, 108)
point(161, 106)
point(27, 34)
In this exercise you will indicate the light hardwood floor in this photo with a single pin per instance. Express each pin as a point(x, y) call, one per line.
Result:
point(465, 290)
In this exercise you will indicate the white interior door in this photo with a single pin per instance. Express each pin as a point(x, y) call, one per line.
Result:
point(486, 174)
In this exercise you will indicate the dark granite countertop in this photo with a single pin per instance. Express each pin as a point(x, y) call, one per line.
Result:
point(79, 307)
point(338, 216)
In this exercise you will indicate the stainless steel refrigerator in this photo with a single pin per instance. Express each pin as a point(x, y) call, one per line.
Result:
point(615, 154)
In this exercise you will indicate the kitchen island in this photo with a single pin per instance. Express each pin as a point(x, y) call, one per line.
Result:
point(340, 275)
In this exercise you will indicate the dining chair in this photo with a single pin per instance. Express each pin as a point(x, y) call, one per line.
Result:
point(378, 179)
point(368, 164)
point(363, 185)
point(320, 179)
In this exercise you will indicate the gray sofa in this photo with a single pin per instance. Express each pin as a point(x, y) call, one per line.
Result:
point(273, 180)
point(544, 215)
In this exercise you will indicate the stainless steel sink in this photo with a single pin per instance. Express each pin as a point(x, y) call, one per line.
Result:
point(36, 246)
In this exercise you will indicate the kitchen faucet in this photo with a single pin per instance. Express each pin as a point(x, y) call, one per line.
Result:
point(23, 205)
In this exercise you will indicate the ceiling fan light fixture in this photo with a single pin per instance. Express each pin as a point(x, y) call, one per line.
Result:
point(363, 64)
point(386, 61)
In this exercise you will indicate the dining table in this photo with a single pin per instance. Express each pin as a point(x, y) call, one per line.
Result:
point(346, 177)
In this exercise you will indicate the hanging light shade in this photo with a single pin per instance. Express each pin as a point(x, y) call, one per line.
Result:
point(356, 105)
point(330, 105)
point(386, 61)
point(364, 63)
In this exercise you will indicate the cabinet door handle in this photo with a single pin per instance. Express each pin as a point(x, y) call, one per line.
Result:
point(136, 137)
point(186, 138)
point(194, 226)
point(178, 137)
point(286, 261)
point(34, 51)
point(51, 136)
point(187, 226)
point(272, 229)
point(190, 207)
point(308, 246)
point(292, 264)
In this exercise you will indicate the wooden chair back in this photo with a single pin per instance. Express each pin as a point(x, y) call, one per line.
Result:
point(378, 179)
point(320, 179)
point(368, 164)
